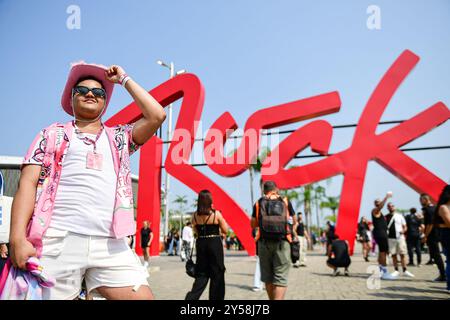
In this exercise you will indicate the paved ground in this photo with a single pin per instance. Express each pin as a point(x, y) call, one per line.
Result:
point(169, 281)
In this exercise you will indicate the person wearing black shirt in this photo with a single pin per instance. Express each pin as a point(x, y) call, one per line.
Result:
point(146, 239)
point(303, 238)
point(381, 235)
point(414, 224)
point(431, 237)
point(441, 221)
point(210, 227)
point(338, 255)
point(363, 237)
point(329, 235)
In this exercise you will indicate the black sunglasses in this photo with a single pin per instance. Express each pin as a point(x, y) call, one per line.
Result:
point(98, 92)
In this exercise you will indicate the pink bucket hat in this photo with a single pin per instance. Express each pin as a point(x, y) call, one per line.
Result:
point(80, 70)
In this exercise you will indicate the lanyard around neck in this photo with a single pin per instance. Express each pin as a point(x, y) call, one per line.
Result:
point(87, 140)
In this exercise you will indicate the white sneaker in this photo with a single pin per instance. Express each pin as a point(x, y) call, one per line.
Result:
point(395, 274)
point(388, 276)
point(146, 264)
point(256, 289)
point(336, 273)
point(82, 295)
point(408, 274)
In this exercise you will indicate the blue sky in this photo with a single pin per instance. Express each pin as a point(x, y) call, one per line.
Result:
point(248, 54)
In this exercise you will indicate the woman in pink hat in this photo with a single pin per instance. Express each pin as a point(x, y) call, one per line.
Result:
point(74, 205)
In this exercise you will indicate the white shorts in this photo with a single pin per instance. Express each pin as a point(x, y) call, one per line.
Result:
point(397, 246)
point(101, 261)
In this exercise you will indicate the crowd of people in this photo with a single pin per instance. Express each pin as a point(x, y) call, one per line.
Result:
point(396, 237)
point(404, 238)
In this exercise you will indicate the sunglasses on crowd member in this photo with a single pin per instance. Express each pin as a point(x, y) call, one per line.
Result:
point(98, 92)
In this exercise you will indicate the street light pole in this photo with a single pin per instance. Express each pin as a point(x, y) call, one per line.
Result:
point(171, 67)
point(167, 182)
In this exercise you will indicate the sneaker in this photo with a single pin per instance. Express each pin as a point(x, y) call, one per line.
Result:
point(302, 265)
point(388, 276)
point(256, 289)
point(440, 279)
point(82, 295)
point(145, 264)
point(395, 274)
point(346, 273)
point(411, 264)
point(408, 274)
point(336, 273)
point(429, 263)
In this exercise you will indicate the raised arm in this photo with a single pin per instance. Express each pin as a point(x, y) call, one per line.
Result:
point(153, 113)
point(377, 210)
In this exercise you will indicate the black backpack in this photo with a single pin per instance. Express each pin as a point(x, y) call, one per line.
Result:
point(272, 215)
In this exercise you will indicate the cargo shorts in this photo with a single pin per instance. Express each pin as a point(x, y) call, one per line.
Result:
point(275, 261)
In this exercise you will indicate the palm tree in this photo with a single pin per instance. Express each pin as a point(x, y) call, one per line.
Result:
point(331, 218)
point(194, 204)
point(256, 168)
point(292, 195)
point(307, 202)
point(298, 197)
point(402, 211)
point(319, 194)
point(181, 201)
point(331, 203)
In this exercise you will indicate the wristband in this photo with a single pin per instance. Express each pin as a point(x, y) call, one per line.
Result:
point(123, 76)
point(125, 80)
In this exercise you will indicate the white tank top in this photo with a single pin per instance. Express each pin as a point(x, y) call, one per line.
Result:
point(84, 202)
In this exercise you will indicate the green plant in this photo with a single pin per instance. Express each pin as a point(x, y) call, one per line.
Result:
point(331, 203)
point(181, 201)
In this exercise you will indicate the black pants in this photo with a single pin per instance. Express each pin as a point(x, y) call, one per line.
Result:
point(343, 263)
point(210, 266)
point(435, 253)
point(445, 241)
point(413, 243)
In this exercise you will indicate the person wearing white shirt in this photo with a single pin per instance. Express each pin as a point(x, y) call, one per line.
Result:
point(397, 241)
point(188, 241)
